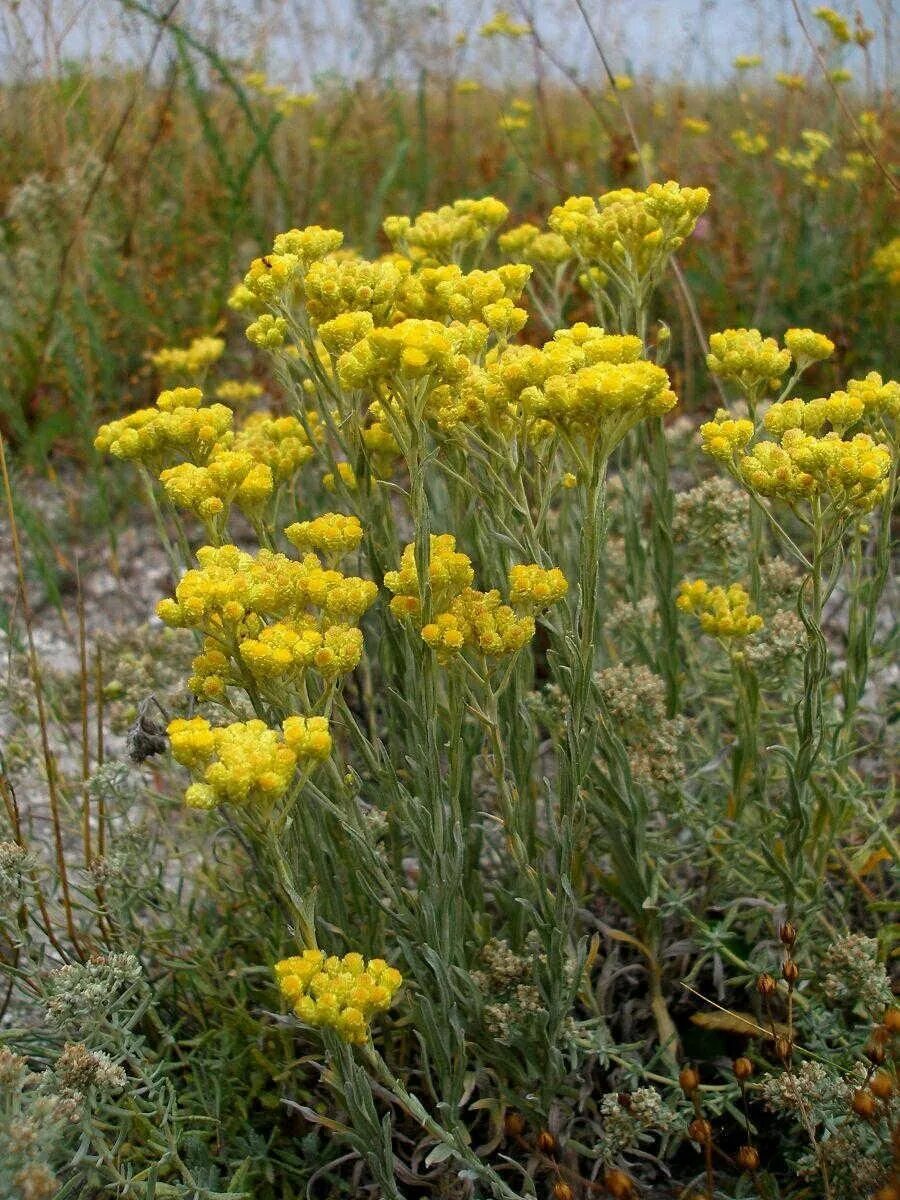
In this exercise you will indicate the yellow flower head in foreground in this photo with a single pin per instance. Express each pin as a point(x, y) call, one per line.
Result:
point(724, 437)
point(807, 346)
point(194, 360)
point(633, 231)
point(334, 286)
point(852, 474)
point(180, 425)
point(331, 535)
point(403, 354)
point(467, 619)
point(528, 244)
point(723, 612)
point(748, 358)
point(247, 762)
point(444, 235)
point(342, 994)
point(450, 572)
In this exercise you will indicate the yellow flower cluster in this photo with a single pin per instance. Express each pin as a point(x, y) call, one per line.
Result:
point(695, 125)
point(446, 293)
point(452, 230)
point(851, 474)
point(178, 424)
point(267, 615)
point(194, 360)
point(247, 762)
point(747, 358)
point(536, 588)
point(723, 438)
point(886, 261)
point(333, 535)
point(280, 443)
point(806, 346)
point(342, 994)
point(722, 612)
point(222, 467)
point(529, 244)
point(633, 232)
point(336, 286)
point(278, 276)
point(467, 619)
point(407, 352)
point(229, 477)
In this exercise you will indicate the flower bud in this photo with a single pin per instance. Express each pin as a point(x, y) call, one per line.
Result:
point(618, 1184)
point(892, 1020)
point(700, 1130)
point(546, 1142)
point(748, 1158)
point(882, 1085)
point(863, 1104)
point(742, 1067)
point(688, 1080)
point(790, 971)
point(514, 1124)
point(562, 1191)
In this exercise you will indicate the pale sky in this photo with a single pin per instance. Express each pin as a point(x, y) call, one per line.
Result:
point(299, 41)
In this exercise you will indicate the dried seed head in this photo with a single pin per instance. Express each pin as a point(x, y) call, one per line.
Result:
point(790, 971)
point(890, 1191)
point(742, 1067)
point(882, 1085)
point(783, 1048)
point(700, 1130)
point(863, 1104)
point(562, 1191)
point(765, 984)
point(688, 1080)
point(892, 1019)
point(748, 1158)
point(514, 1124)
point(875, 1053)
point(788, 934)
point(618, 1184)
point(546, 1142)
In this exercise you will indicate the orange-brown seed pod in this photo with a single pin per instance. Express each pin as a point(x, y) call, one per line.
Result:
point(546, 1142)
point(688, 1080)
point(748, 1158)
point(863, 1104)
point(742, 1067)
point(882, 1085)
point(890, 1191)
point(700, 1130)
point(562, 1191)
point(892, 1019)
point(790, 971)
point(765, 984)
point(618, 1184)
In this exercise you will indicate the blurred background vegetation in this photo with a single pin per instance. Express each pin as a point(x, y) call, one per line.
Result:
point(148, 149)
